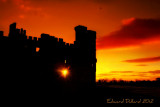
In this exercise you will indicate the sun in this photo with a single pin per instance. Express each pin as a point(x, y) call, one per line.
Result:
point(64, 72)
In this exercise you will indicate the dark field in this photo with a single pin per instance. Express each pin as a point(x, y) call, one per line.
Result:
point(109, 94)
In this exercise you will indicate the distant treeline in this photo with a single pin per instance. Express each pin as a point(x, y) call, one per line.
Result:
point(139, 83)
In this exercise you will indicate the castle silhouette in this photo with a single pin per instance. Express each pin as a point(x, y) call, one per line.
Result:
point(31, 65)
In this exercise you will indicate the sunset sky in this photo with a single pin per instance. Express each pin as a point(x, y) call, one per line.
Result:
point(128, 31)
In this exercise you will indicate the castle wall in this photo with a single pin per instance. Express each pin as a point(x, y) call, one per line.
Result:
point(53, 53)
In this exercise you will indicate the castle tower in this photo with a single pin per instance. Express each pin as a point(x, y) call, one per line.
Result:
point(80, 33)
point(92, 53)
point(86, 55)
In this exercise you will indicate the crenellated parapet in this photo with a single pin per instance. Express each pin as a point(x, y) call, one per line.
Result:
point(80, 56)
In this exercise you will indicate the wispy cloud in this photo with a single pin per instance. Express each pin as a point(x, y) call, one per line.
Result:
point(142, 60)
point(154, 72)
point(141, 65)
point(122, 71)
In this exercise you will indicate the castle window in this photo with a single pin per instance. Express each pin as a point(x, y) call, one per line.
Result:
point(37, 49)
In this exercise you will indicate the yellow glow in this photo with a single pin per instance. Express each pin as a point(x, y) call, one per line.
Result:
point(109, 61)
point(64, 72)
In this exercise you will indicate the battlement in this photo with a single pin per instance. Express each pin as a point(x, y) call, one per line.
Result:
point(80, 56)
point(82, 34)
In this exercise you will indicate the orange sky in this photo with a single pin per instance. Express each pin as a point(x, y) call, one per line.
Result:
point(128, 31)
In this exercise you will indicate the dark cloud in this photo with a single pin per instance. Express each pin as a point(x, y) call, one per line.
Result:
point(133, 32)
point(142, 60)
point(154, 72)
